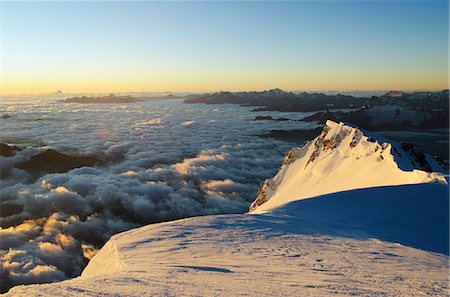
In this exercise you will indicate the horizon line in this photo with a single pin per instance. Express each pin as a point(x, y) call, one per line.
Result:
point(233, 91)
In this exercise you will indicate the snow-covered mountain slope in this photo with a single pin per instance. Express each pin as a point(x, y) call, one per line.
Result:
point(373, 228)
point(343, 245)
point(343, 158)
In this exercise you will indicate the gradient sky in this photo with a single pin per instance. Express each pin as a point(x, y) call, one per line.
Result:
point(204, 46)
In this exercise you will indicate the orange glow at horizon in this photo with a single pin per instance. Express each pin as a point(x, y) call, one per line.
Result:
point(242, 82)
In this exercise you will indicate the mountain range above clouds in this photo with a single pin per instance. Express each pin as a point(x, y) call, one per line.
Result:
point(392, 111)
point(277, 99)
point(349, 213)
point(111, 98)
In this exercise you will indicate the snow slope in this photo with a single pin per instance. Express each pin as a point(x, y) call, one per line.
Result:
point(343, 158)
point(381, 231)
point(341, 245)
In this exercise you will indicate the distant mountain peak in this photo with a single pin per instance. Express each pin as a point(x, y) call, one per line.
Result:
point(276, 92)
point(394, 94)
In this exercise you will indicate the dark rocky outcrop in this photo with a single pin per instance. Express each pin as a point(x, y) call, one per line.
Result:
point(269, 118)
point(51, 161)
point(7, 150)
point(296, 135)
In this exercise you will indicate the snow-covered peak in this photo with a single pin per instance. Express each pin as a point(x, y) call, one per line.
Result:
point(274, 93)
point(341, 158)
point(394, 94)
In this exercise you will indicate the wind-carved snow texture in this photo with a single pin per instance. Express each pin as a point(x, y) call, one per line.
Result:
point(342, 158)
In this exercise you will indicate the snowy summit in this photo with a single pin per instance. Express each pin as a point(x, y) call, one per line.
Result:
point(344, 158)
point(349, 213)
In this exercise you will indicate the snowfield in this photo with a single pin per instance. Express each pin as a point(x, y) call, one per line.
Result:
point(344, 222)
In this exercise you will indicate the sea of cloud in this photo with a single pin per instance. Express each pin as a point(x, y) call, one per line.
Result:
point(163, 160)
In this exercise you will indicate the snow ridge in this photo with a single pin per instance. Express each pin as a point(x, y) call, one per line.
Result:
point(344, 157)
point(107, 261)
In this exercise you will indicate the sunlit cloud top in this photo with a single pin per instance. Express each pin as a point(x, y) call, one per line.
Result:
point(201, 46)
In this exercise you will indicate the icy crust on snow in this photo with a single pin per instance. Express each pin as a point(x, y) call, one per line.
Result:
point(343, 158)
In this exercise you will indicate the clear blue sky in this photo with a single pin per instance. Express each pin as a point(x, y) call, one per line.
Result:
point(201, 46)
